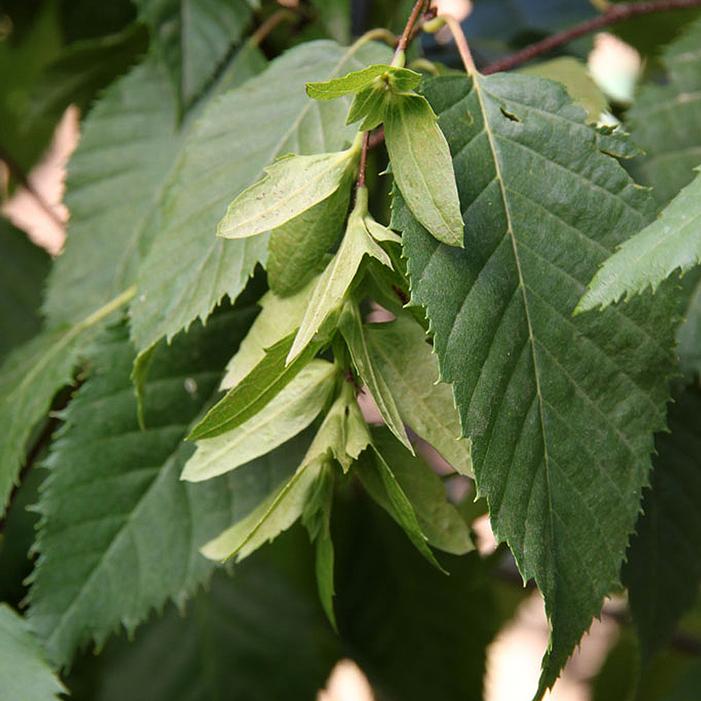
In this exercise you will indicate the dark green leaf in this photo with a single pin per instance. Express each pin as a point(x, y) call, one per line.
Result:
point(30, 377)
point(561, 411)
point(120, 532)
point(23, 269)
point(663, 567)
point(194, 37)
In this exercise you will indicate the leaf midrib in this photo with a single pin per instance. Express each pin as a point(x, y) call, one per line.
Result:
point(476, 82)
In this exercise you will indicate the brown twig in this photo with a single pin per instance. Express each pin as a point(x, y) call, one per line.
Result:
point(460, 42)
point(405, 38)
point(266, 27)
point(362, 167)
point(617, 13)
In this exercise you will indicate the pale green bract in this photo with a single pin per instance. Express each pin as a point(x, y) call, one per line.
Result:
point(672, 242)
point(333, 285)
point(292, 185)
point(439, 520)
point(294, 408)
point(537, 389)
point(422, 167)
point(379, 479)
point(271, 375)
point(406, 362)
point(278, 318)
point(299, 249)
point(343, 435)
point(380, 75)
point(24, 673)
point(273, 516)
point(354, 332)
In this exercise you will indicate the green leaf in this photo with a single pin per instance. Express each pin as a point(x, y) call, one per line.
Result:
point(417, 633)
point(665, 120)
point(98, 263)
point(292, 185)
point(293, 409)
point(194, 37)
point(438, 519)
point(422, 167)
point(382, 484)
point(672, 242)
point(84, 69)
point(574, 75)
point(390, 78)
point(23, 57)
point(335, 282)
point(355, 335)
point(663, 568)
point(267, 521)
point(23, 269)
point(267, 379)
point(343, 435)
point(106, 240)
point(409, 368)
point(278, 318)
point(536, 389)
point(297, 250)
point(176, 288)
point(24, 673)
point(228, 641)
point(112, 487)
point(317, 520)
point(29, 379)
point(369, 105)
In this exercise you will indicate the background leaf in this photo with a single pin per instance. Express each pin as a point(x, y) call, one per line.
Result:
point(119, 532)
point(23, 269)
point(24, 674)
point(663, 567)
point(194, 37)
point(189, 269)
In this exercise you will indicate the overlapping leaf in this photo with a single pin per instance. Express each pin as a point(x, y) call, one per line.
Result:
point(671, 243)
point(663, 567)
point(116, 184)
point(24, 673)
point(119, 532)
point(228, 642)
point(410, 369)
point(30, 377)
point(189, 269)
point(128, 145)
point(561, 410)
point(194, 37)
point(666, 119)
